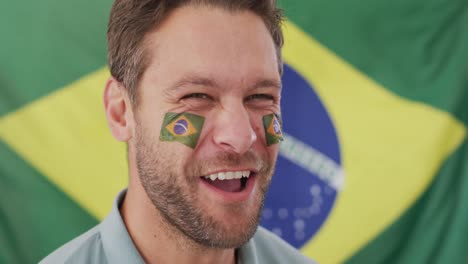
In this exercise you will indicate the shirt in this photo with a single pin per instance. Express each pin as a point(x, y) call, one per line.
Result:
point(109, 242)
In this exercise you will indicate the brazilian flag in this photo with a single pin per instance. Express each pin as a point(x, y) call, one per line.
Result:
point(374, 163)
point(183, 127)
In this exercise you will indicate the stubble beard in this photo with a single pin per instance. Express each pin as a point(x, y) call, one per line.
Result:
point(174, 195)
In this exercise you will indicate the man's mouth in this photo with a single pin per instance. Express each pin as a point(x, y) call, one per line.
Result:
point(229, 181)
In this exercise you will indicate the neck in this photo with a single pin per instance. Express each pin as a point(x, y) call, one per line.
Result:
point(159, 242)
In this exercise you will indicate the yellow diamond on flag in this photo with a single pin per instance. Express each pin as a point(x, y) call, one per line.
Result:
point(181, 127)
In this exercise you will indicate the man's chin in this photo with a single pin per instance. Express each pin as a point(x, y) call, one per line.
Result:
point(229, 237)
point(231, 229)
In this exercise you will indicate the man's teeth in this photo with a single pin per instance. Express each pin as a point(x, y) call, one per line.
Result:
point(228, 175)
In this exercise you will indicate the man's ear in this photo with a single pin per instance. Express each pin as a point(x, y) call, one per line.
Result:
point(118, 110)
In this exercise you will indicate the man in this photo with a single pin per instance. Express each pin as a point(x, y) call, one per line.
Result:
point(195, 93)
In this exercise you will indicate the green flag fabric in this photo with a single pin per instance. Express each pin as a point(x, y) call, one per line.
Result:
point(392, 78)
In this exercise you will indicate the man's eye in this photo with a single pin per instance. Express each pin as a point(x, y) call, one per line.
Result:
point(260, 97)
point(196, 96)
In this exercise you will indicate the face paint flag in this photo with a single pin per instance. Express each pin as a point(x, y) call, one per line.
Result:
point(184, 128)
point(272, 126)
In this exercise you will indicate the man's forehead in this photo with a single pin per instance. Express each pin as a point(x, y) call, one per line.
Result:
point(239, 54)
point(198, 80)
point(189, 22)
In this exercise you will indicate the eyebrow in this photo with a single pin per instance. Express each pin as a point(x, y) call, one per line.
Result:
point(192, 80)
point(266, 83)
point(209, 82)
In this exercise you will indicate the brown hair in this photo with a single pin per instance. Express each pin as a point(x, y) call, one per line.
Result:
point(131, 20)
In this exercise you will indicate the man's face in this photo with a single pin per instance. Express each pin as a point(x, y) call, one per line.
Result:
point(222, 66)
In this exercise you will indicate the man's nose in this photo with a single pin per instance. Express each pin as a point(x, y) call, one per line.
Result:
point(233, 130)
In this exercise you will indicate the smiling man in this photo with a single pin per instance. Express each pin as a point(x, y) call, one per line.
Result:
point(195, 93)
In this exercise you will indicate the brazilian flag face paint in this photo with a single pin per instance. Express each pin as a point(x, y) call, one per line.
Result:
point(182, 127)
point(272, 125)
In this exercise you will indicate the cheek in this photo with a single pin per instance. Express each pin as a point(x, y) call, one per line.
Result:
point(176, 157)
point(256, 120)
point(257, 126)
point(149, 122)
